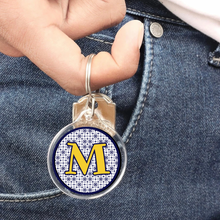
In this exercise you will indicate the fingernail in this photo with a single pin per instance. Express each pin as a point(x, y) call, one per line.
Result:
point(141, 35)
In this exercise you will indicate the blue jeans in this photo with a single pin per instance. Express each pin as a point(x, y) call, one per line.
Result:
point(167, 114)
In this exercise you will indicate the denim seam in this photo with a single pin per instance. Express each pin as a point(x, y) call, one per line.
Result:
point(146, 94)
point(96, 39)
point(155, 16)
point(30, 200)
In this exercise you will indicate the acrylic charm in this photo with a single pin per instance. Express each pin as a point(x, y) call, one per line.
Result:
point(87, 158)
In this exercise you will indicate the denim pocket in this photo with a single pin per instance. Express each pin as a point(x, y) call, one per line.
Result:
point(33, 109)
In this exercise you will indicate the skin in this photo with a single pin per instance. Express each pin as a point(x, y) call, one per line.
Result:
point(45, 30)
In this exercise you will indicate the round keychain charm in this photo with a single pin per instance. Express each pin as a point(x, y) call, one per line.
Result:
point(87, 158)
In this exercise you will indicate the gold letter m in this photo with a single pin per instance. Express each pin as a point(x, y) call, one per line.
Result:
point(83, 164)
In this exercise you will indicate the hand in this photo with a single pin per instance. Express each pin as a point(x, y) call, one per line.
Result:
point(43, 31)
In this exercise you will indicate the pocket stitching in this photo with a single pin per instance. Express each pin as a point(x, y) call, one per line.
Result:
point(30, 200)
point(96, 39)
point(155, 16)
point(130, 130)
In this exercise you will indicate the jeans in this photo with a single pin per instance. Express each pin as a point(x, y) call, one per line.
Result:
point(167, 114)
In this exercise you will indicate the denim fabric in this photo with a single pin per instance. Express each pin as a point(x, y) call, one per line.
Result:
point(168, 115)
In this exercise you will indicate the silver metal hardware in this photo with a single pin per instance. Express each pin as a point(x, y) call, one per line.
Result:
point(156, 30)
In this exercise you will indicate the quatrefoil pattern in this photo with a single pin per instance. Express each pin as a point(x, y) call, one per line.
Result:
point(85, 138)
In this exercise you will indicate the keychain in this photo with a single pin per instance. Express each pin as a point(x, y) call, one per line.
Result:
point(87, 158)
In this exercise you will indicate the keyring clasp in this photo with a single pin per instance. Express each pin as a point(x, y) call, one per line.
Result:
point(88, 74)
point(91, 99)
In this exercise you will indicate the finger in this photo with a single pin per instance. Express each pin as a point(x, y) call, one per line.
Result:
point(60, 57)
point(83, 16)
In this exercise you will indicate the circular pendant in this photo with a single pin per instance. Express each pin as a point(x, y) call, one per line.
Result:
point(87, 162)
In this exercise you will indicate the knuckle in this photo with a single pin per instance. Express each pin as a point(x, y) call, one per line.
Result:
point(112, 11)
point(128, 71)
point(8, 50)
point(116, 15)
point(74, 85)
point(121, 13)
point(73, 89)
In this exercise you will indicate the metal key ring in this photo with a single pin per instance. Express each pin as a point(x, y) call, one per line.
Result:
point(88, 74)
point(91, 100)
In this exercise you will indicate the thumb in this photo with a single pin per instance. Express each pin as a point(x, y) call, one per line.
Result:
point(61, 59)
point(123, 61)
